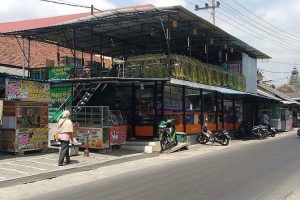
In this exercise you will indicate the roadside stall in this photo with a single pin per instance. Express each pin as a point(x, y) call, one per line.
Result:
point(99, 128)
point(25, 116)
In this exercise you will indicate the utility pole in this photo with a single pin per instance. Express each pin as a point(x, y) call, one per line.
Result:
point(213, 7)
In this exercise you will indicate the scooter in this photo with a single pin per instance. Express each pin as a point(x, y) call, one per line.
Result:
point(272, 130)
point(167, 134)
point(222, 137)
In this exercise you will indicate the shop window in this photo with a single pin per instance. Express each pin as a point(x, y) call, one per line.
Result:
point(228, 114)
point(193, 110)
point(238, 113)
point(173, 104)
point(144, 106)
point(209, 109)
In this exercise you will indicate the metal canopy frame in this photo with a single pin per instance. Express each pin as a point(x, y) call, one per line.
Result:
point(108, 32)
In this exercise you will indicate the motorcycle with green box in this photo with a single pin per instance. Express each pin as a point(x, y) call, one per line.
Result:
point(167, 134)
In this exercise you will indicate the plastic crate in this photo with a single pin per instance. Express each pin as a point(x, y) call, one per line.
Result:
point(181, 137)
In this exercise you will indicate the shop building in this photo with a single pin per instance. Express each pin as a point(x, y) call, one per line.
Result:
point(166, 63)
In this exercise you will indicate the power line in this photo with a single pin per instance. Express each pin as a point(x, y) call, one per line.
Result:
point(67, 4)
point(284, 63)
point(258, 25)
point(70, 4)
point(297, 38)
point(262, 37)
point(275, 72)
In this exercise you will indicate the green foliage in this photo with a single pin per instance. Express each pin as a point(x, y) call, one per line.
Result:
point(182, 67)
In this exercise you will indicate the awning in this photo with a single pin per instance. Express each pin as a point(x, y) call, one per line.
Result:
point(225, 91)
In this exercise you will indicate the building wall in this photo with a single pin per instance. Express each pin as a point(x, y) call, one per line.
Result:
point(249, 71)
point(11, 53)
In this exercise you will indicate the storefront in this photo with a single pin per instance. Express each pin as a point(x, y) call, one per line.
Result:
point(25, 116)
point(146, 102)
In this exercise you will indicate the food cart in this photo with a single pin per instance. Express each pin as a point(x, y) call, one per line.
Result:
point(25, 116)
point(99, 128)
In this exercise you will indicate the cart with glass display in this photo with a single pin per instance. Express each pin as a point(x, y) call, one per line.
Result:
point(99, 128)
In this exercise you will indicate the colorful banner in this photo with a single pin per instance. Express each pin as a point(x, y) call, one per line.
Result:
point(117, 135)
point(95, 137)
point(24, 90)
point(32, 138)
point(24, 139)
point(59, 94)
point(60, 72)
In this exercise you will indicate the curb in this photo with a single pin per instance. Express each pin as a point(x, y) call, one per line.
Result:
point(55, 174)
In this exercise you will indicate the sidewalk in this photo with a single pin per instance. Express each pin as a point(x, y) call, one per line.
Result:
point(37, 166)
point(33, 167)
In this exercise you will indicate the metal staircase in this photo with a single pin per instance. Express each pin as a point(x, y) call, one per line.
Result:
point(82, 92)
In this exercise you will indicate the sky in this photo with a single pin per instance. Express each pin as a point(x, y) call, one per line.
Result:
point(272, 27)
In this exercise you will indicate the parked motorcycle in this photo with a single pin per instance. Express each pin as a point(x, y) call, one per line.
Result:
point(260, 132)
point(167, 134)
point(222, 137)
point(272, 130)
point(298, 132)
point(245, 130)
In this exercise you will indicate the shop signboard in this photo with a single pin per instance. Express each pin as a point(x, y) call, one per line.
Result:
point(23, 90)
point(24, 139)
point(95, 137)
point(117, 135)
point(60, 72)
point(60, 94)
point(31, 138)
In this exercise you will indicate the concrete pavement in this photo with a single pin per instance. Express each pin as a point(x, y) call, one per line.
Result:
point(105, 171)
point(39, 166)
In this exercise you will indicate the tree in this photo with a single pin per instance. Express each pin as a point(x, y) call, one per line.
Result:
point(259, 75)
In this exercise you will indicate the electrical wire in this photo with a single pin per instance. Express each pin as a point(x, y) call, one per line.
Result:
point(259, 25)
point(284, 63)
point(298, 38)
point(275, 72)
point(69, 4)
point(267, 33)
point(282, 44)
point(256, 34)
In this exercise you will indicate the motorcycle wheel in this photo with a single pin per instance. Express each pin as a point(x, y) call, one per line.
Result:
point(163, 144)
point(272, 134)
point(176, 141)
point(202, 139)
point(225, 141)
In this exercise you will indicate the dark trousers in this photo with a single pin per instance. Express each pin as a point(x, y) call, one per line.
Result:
point(64, 152)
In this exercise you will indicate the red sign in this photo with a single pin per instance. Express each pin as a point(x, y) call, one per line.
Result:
point(117, 135)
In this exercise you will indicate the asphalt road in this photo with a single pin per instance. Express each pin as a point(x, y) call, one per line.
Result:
point(264, 170)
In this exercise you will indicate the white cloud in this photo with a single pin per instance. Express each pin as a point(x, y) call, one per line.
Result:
point(14, 10)
point(160, 3)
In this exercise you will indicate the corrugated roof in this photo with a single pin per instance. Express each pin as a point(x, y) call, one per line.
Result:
point(271, 91)
point(120, 23)
point(38, 23)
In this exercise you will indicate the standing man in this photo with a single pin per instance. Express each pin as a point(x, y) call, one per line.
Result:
point(264, 118)
point(65, 135)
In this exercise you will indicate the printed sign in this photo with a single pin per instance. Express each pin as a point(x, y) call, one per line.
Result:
point(31, 138)
point(24, 90)
point(60, 72)
point(93, 135)
point(59, 94)
point(117, 135)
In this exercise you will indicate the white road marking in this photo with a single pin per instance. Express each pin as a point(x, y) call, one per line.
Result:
point(14, 170)
point(26, 166)
point(42, 163)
